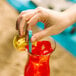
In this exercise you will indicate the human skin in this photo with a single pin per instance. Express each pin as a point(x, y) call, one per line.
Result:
point(55, 22)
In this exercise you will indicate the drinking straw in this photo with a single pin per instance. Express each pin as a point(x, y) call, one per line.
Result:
point(29, 39)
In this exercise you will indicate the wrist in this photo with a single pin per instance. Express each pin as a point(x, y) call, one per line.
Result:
point(70, 14)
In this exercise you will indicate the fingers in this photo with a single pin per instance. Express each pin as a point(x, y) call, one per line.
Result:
point(17, 23)
point(39, 35)
point(20, 17)
point(21, 26)
point(52, 30)
point(28, 18)
point(40, 16)
point(33, 21)
point(22, 22)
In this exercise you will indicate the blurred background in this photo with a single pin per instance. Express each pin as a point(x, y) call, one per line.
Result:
point(12, 61)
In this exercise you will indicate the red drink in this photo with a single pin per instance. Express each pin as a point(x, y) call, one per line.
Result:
point(38, 64)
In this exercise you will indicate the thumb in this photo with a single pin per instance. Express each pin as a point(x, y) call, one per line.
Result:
point(52, 30)
point(39, 35)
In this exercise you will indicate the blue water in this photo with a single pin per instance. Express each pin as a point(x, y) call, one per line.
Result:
point(73, 1)
point(65, 39)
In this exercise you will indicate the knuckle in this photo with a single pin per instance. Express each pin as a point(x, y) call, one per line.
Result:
point(22, 12)
point(23, 17)
point(39, 9)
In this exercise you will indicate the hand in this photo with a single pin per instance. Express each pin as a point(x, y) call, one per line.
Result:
point(55, 22)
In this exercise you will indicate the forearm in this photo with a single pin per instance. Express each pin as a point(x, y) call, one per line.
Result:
point(70, 15)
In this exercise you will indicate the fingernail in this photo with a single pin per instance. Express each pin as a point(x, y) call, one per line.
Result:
point(26, 38)
point(27, 22)
point(33, 39)
point(21, 34)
